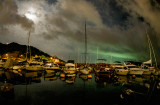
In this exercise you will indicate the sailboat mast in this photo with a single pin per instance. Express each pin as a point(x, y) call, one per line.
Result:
point(78, 57)
point(111, 59)
point(153, 53)
point(149, 44)
point(85, 45)
point(151, 48)
point(28, 47)
point(97, 55)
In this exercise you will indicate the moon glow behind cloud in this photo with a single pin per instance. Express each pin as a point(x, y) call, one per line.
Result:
point(117, 29)
point(31, 14)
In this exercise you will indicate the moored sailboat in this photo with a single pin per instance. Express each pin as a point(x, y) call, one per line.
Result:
point(121, 70)
point(134, 70)
point(70, 68)
point(147, 66)
point(51, 66)
point(85, 70)
point(32, 65)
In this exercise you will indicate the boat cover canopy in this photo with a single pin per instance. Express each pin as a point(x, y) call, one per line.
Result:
point(70, 64)
point(148, 62)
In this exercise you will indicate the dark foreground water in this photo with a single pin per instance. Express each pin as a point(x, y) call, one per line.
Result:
point(40, 88)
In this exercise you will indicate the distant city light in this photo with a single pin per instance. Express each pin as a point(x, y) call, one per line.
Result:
point(6, 55)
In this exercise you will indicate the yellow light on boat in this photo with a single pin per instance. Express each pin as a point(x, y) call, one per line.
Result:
point(89, 76)
point(62, 75)
point(19, 70)
point(133, 76)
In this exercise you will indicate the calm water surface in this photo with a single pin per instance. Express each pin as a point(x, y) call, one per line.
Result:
point(41, 88)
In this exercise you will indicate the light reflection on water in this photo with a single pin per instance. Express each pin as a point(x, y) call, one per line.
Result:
point(48, 88)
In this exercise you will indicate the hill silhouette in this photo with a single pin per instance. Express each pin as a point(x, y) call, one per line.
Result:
point(12, 47)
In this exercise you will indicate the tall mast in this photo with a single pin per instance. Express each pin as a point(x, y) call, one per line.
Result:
point(151, 48)
point(153, 53)
point(28, 47)
point(111, 59)
point(149, 44)
point(78, 57)
point(97, 55)
point(85, 45)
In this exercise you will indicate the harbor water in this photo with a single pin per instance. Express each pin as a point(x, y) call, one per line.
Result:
point(48, 88)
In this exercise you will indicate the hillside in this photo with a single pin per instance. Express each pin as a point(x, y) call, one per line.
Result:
point(12, 47)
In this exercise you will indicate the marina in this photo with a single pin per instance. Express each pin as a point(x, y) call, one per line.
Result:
point(79, 52)
point(39, 80)
point(39, 87)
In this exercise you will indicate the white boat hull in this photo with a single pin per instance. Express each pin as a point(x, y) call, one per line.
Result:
point(121, 72)
point(84, 71)
point(52, 68)
point(32, 68)
point(69, 71)
point(71, 75)
point(69, 68)
point(148, 72)
point(136, 72)
point(18, 67)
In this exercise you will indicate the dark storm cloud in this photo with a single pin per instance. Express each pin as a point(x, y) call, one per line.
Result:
point(110, 12)
point(120, 28)
point(126, 22)
point(9, 15)
point(149, 10)
point(145, 9)
point(116, 26)
point(68, 20)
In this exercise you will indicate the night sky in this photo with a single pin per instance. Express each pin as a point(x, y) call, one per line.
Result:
point(116, 27)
